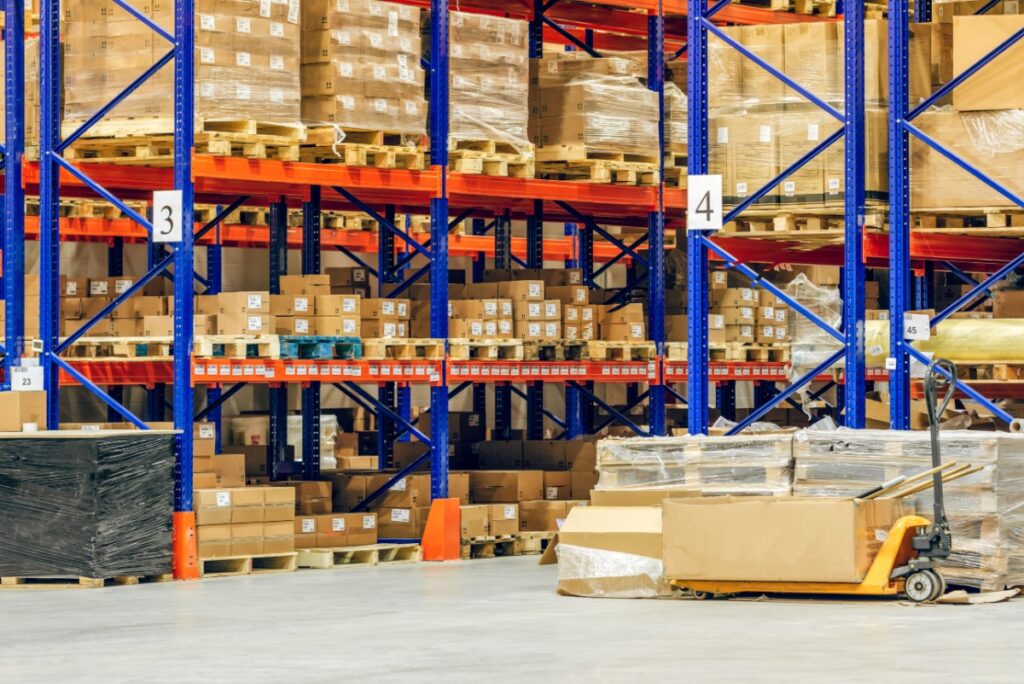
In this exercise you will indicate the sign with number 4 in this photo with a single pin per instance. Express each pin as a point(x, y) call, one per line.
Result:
point(704, 203)
point(167, 216)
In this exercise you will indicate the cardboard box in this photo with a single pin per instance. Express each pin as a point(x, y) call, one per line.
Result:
point(214, 541)
point(242, 303)
point(308, 285)
point(18, 409)
point(503, 518)
point(636, 497)
point(499, 455)
point(247, 504)
point(213, 506)
point(506, 486)
point(774, 539)
point(409, 492)
point(1008, 304)
point(279, 537)
point(557, 485)
point(292, 305)
point(338, 305)
point(332, 530)
point(358, 462)
point(581, 484)
point(402, 523)
point(995, 86)
point(278, 504)
point(204, 480)
point(544, 455)
point(544, 516)
point(244, 324)
point(624, 332)
point(229, 469)
point(475, 521)
point(765, 41)
point(294, 325)
point(521, 290)
point(305, 532)
point(311, 497)
point(810, 55)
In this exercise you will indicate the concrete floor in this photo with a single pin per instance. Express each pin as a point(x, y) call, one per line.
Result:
point(488, 620)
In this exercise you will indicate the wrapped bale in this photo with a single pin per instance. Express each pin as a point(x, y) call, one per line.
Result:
point(985, 510)
point(489, 63)
point(744, 465)
point(246, 68)
point(96, 505)
point(361, 75)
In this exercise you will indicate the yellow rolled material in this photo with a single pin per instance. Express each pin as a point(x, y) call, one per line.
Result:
point(961, 340)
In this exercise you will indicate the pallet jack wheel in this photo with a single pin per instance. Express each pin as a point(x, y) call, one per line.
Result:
point(924, 585)
point(702, 595)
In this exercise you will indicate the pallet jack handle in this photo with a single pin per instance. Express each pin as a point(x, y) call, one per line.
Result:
point(940, 377)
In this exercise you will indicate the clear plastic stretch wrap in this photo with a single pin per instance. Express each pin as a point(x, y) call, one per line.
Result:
point(744, 465)
point(599, 103)
point(599, 573)
point(361, 66)
point(992, 141)
point(810, 344)
point(92, 505)
point(246, 61)
point(986, 509)
point(676, 116)
point(955, 339)
point(489, 60)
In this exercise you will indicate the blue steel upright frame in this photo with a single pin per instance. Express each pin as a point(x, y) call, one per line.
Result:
point(700, 243)
point(13, 151)
point(901, 129)
point(52, 146)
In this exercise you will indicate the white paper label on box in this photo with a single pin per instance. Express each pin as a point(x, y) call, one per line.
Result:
point(704, 195)
point(780, 315)
point(490, 328)
point(505, 327)
point(812, 132)
point(765, 134)
point(380, 72)
point(121, 285)
point(277, 29)
point(254, 301)
point(393, 24)
point(243, 59)
point(223, 499)
point(308, 526)
point(881, 535)
point(637, 331)
point(293, 11)
point(337, 524)
point(90, 428)
point(206, 55)
point(572, 314)
point(476, 328)
point(411, 107)
point(381, 105)
point(243, 25)
point(265, 8)
point(207, 22)
point(302, 325)
point(348, 305)
point(833, 185)
point(302, 304)
point(587, 314)
point(167, 213)
point(376, 40)
point(71, 288)
point(746, 312)
point(533, 308)
point(387, 307)
point(890, 363)
point(747, 294)
point(399, 486)
point(789, 188)
point(27, 378)
point(98, 288)
point(550, 309)
point(400, 515)
point(534, 289)
point(533, 329)
point(206, 89)
point(551, 330)
point(276, 62)
point(243, 91)
point(741, 189)
point(917, 327)
point(506, 308)
point(510, 513)
point(723, 135)
point(207, 431)
point(491, 308)
point(255, 323)
point(348, 102)
point(551, 494)
point(369, 522)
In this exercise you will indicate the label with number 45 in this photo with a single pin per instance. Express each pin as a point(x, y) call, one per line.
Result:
point(704, 203)
point(167, 216)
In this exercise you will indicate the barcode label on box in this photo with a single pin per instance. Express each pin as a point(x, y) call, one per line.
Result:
point(223, 499)
point(369, 522)
point(400, 515)
point(337, 524)
point(308, 526)
point(510, 512)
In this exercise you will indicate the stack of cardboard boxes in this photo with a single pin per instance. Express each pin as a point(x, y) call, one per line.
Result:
point(245, 521)
point(745, 315)
point(361, 66)
point(247, 57)
point(143, 315)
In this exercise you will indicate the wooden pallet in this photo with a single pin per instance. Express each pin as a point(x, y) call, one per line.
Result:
point(320, 347)
point(149, 141)
point(262, 564)
point(600, 350)
point(740, 352)
point(825, 8)
point(150, 348)
point(243, 216)
point(597, 165)
point(491, 158)
point(463, 349)
point(237, 347)
point(676, 169)
point(490, 547)
point(359, 147)
point(352, 556)
point(544, 350)
point(79, 582)
point(533, 543)
point(985, 221)
point(401, 348)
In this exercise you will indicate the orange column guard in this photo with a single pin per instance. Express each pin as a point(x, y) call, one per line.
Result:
point(186, 560)
point(441, 537)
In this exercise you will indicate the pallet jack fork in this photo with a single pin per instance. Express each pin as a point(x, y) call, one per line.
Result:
point(906, 562)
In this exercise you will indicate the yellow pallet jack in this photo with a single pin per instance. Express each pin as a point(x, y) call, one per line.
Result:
point(906, 562)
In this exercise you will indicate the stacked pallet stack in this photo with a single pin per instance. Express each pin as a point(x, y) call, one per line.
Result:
point(489, 96)
point(583, 126)
point(247, 61)
point(985, 509)
point(244, 522)
point(760, 465)
point(362, 83)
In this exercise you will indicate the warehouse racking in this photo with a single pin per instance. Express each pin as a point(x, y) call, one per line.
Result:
point(450, 198)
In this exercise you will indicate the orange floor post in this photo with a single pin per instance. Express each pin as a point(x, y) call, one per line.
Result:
point(441, 537)
point(186, 557)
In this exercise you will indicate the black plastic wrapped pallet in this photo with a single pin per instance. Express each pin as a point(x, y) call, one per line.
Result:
point(96, 505)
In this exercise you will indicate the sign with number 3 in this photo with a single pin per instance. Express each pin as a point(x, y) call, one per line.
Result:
point(167, 216)
point(704, 203)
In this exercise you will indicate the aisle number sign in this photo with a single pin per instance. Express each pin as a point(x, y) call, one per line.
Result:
point(27, 378)
point(704, 203)
point(917, 327)
point(167, 216)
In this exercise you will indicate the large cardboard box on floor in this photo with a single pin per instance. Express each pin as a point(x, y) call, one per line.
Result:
point(774, 539)
point(996, 85)
point(506, 486)
point(544, 516)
